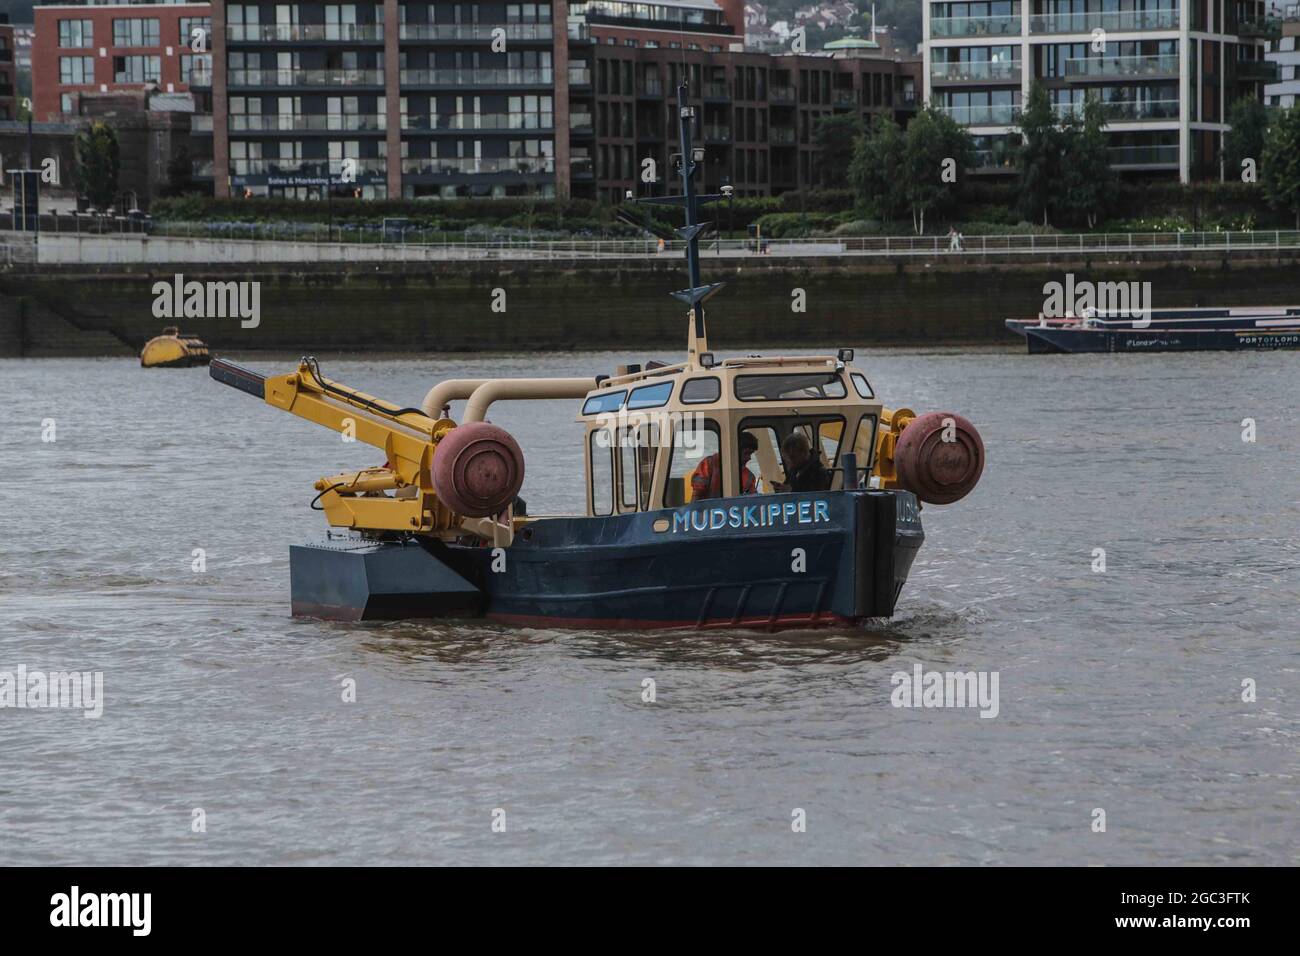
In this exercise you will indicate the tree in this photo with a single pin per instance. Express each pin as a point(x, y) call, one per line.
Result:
point(835, 137)
point(1089, 182)
point(1280, 165)
point(1039, 156)
point(98, 164)
point(1248, 122)
point(180, 172)
point(876, 171)
point(935, 151)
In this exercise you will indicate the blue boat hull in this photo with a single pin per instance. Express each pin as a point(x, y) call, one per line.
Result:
point(792, 560)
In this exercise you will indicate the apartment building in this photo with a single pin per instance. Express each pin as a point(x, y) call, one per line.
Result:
point(8, 77)
point(441, 100)
point(83, 46)
point(1284, 54)
point(1166, 72)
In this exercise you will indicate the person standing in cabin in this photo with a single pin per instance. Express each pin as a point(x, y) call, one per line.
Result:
point(803, 470)
point(707, 480)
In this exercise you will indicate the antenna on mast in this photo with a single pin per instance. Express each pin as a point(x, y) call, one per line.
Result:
point(696, 294)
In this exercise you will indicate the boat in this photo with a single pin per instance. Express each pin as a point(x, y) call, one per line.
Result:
point(704, 506)
point(174, 350)
point(1164, 330)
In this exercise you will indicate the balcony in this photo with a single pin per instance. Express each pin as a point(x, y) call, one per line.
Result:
point(781, 94)
point(201, 123)
point(1260, 28)
point(941, 27)
point(1088, 67)
point(524, 165)
point(579, 33)
point(1143, 155)
point(650, 86)
point(453, 122)
point(581, 124)
point(579, 76)
point(978, 71)
point(300, 78)
point(1258, 71)
point(781, 136)
point(717, 90)
point(717, 133)
point(1000, 114)
point(332, 168)
point(581, 167)
point(306, 122)
point(1125, 110)
point(844, 98)
point(201, 168)
point(473, 31)
point(295, 33)
point(488, 77)
point(1111, 21)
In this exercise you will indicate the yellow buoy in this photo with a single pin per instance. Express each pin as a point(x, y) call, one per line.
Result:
point(173, 350)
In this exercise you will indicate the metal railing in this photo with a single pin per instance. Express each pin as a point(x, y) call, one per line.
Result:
point(474, 31)
point(1120, 110)
point(1000, 114)
point(941, 27)
point(477, 121)
point(480, 77)
point(299, 122)
point(471, 166)
point(1159, 65)
point(1113, 20)
point(338, 168)
point(289, 77)
point(990, 70)
point(289, 32)
point(436, 245)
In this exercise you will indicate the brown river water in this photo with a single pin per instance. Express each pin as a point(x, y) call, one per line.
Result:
point(224, 736)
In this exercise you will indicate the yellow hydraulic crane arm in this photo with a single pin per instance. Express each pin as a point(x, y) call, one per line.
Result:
point(407, 437)
point(892, 422)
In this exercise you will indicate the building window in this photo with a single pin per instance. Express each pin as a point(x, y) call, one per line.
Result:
point(65, 102)
point(137, 69)
point(136, 32)
point(76, 70)
point(76, 33)
point(195, 33)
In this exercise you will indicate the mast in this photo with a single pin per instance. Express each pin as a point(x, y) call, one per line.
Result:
point(696, 294)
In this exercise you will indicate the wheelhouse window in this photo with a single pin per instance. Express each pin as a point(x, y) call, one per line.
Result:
point(802, 385)
point(609, 402)
point(602, 471)
point(862, 386)
point(701, 391)
point(824, 434)
point(650, 396)
point(864, 441)
point(694, 440)
point(627, 468)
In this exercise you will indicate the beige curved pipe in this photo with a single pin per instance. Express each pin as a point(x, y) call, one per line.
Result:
point(500, 388)
point(444, 393)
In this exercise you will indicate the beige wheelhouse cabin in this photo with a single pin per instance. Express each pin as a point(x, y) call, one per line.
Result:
point(648, 431)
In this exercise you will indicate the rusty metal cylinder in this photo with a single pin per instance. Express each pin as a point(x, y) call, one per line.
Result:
point(478, 469)
point(939, 457)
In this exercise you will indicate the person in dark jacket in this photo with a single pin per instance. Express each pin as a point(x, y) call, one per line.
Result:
point(803, 470)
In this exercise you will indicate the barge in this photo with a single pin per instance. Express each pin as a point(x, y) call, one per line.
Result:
point(1164, 330)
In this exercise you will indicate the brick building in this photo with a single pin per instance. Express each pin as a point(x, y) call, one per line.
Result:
point(8, 77)
point(83, 46)
point(419, 99)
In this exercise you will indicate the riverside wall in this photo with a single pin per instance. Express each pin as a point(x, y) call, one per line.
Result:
point(582, 304)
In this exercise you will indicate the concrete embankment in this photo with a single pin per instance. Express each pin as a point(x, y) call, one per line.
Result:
point(600, 304)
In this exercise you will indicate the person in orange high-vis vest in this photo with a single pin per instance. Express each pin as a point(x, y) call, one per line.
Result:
point(707, 480)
